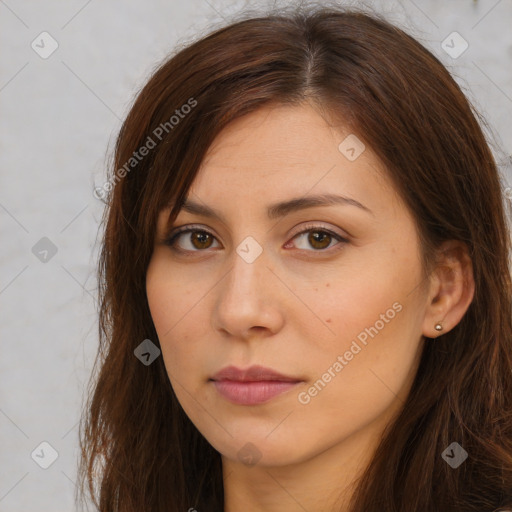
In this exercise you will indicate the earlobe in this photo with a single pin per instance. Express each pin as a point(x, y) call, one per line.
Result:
point(451, 289)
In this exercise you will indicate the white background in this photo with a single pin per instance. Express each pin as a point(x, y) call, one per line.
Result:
point(59, 118)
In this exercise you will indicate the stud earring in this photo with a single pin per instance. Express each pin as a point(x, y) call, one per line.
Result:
point(438, 327)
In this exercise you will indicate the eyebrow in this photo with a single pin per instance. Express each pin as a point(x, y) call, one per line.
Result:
point(278, 210)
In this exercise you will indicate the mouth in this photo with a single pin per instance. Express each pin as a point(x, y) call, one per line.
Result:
point(252, 386)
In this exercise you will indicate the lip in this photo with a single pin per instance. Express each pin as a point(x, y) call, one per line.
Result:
point(253, 385)
point(252, 374)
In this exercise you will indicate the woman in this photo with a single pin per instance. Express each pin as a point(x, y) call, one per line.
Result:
point(304, 281)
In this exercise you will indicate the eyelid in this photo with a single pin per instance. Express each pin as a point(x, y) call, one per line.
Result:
point(319, 225)
point(186, 227)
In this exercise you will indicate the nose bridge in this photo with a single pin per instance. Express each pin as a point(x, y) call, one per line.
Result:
point(243, 299)
point(248, 269)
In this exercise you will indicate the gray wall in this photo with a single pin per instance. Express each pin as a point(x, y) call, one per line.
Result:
point(60, 114)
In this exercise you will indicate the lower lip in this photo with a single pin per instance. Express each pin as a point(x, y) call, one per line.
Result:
point(252, 393)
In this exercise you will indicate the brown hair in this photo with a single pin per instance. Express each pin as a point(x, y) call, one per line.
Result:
point(401, 101)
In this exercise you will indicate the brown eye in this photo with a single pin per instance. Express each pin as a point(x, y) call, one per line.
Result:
point(196, 239)
point(319, 239)
point(201, 238)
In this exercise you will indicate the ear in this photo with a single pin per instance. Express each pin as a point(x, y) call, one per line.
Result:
point(451, 289)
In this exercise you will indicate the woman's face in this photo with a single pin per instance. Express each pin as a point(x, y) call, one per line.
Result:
point(329, 295)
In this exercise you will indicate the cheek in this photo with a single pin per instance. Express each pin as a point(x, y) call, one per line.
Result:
point(347, 305)
point(363, 372)
point(371, 342)
point(171, 305)
point(170, 295)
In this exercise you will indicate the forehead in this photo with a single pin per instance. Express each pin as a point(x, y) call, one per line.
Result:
point(283, 152)
point(273, 135)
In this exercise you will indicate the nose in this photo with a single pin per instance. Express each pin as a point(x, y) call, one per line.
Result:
point(247, 301)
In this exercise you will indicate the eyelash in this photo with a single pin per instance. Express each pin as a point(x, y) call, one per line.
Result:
point(171, 239)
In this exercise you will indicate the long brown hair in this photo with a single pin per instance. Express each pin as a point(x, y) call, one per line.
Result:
point(140, 452)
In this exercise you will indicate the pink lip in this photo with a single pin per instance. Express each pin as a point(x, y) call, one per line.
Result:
point(254, 385)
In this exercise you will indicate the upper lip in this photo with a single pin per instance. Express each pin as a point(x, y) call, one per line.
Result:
point(252, 374)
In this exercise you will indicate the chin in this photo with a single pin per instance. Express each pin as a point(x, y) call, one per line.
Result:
point(258, 450)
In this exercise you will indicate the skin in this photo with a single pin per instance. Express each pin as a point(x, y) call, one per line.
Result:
point(297, 307)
